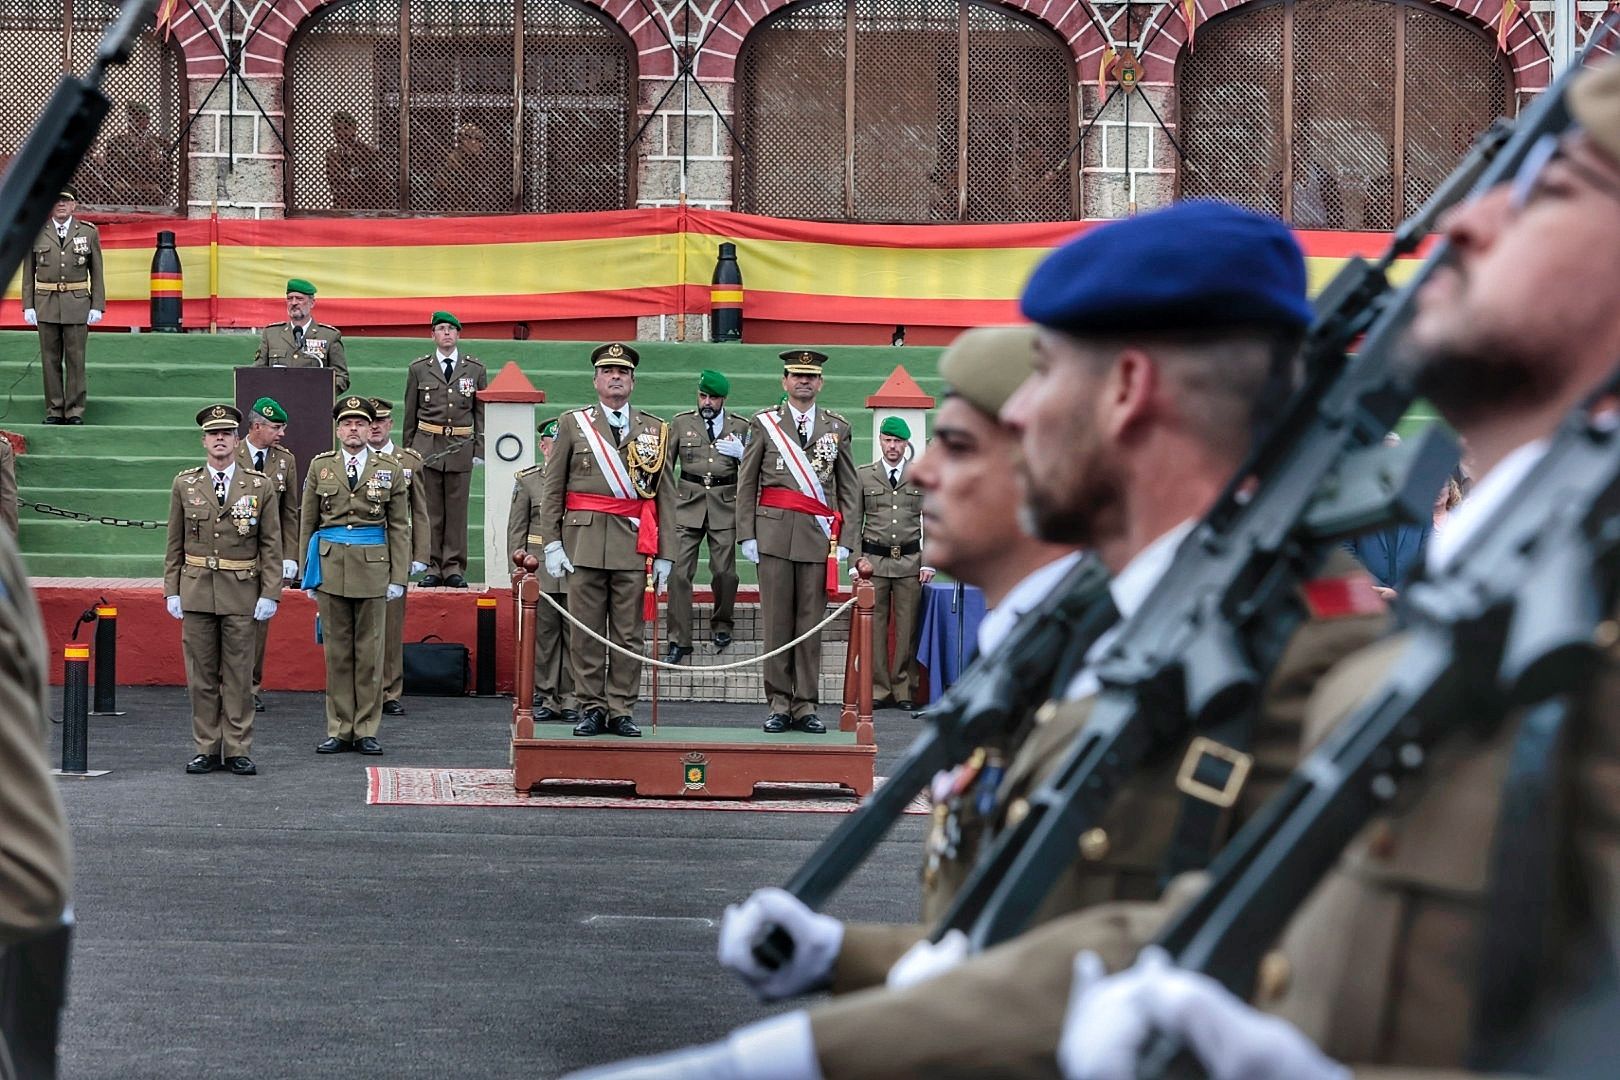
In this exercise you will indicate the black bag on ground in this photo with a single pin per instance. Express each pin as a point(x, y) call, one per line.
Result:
point(436, 667)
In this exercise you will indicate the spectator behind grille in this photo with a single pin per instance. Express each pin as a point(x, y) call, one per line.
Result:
point(353, 170)
point(466, 183)
point(137, 162)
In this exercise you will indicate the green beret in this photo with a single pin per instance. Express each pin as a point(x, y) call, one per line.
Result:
point(893, 425)
point(270, 409)
point(299, 285)
point(714, 384)
point(548, 430)
point(445, 316)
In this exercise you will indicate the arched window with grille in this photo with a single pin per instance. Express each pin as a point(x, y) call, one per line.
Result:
point(134, 164)
point(416, 107)
point(1335, 114)
point(873, 110)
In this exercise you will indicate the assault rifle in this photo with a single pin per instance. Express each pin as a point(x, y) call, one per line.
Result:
point(1191, 661)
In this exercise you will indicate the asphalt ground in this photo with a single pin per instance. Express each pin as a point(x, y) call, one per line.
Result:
point(277, 926)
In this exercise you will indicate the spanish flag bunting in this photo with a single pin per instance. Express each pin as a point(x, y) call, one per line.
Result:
point(164, 26)
point(1189, 12)
point(1504, 25)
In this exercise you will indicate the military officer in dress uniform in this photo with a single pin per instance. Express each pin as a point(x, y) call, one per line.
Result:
point(709, 446)
point(8, 485)
point(553, 683)
point(891, 544)
point(607, 514)
point(221, 574)
point(443, 410)
point(381, 439)
point(797, 498)
point(63, 294)
point(355, 533)
point(301, 341)
point(262, 452)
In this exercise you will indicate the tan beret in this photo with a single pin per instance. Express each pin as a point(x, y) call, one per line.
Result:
point(986, 364)
point(1594, 102)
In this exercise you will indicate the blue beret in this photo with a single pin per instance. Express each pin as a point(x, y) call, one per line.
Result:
point(1196, 265)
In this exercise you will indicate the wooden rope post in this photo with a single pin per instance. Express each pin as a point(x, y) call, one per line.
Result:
point(856, 714)
point(528, 602)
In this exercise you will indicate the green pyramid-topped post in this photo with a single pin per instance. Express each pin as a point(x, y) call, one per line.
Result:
point(509, 446)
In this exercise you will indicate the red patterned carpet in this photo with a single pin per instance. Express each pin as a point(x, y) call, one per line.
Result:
point(493, 787)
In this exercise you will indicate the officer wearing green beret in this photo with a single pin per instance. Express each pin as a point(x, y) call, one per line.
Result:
point(381, 440)
point(221, 574)
point(444, 422)
point(262, 452)
point(891, 544)
point(301, 341)
point(709, 444)
point(63, 294)
point(553, 682)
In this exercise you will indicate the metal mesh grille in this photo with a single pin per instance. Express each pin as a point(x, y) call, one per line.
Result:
point(1308, 91)
point(132, 165)
point(898, 158)
point(422, 120)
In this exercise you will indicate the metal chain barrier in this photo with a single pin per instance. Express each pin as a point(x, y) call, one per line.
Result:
point(74, 515)
point(760, 659)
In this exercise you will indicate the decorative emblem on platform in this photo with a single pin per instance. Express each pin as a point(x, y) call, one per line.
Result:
point(694, 770)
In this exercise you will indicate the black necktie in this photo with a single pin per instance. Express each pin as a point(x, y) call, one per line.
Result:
point(894, 479)
point(258, 461)
point(804, 431)
point(354, 475)
point(449, 366)
point(219, 488)
point(616, 422)
point(298, 337)
point(714, 428)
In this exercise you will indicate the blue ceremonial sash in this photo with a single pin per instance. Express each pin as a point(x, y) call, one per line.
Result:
point(339, 534)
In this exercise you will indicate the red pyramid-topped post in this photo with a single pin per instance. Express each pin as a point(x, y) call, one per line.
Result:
point(509, 445)
point(901, 396)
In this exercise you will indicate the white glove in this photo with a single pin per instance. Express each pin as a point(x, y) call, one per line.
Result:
point(843, 553)
point(93, 318)
point(557, 564)
point(395, 592)
point(173, 604)
point(311, 593)
point(289, 570)
point(816, 941)
point(264, 609)
point(478, 461)
point(418, 567)
point(30, 316)
point(1110, 1018)
point(731, 446)
point(710, 1061)
point(750, 551)
point(781, 1048)
point(661, 569)
point(926, 959)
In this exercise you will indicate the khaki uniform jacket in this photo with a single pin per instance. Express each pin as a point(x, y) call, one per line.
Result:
point(34, 848)
point(596, 540)
point(74, 260)
point(323, 347)
point(452, 405)
point(382, 497)
point(282, 468)
point(788, 534)
point(706, 497)
point(890, 518)
point(246, 530)
point(8, 485)
point(421, 534)
point(523, 528)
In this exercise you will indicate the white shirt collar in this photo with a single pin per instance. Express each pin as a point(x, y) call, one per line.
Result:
point(454, 357)
point(809, 415)
point(229, 471)
point(358, 459)
point(252, 450)
point(623, 412)
point(1489, 492)
point(719, 420)
point(1129, 588)
point(1030, 591)
point(61, 230)
point(386, 448)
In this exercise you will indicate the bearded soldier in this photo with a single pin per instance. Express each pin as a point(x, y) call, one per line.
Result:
point(302, 342)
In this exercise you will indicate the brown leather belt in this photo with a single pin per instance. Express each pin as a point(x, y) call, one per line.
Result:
point(441, 429)
point(892, 551)
point(214, 562)
point(708, 482)
point(61, 286)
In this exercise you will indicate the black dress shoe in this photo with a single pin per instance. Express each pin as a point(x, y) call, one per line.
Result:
point(332, 746)
point(393, 708)
point(677, 653)
point(431, 581)
point(721, 641)
point(368, 745)
point(570, 716)
point(74, 420)
point(545, 714)
point(907, 706)
point(455, 581)
point(811, 725)
point(625, 726)
point(202, 763)
point(52, 420)
point(777, 722)
point(592, 723)
point(258, 703)
point(242, 766)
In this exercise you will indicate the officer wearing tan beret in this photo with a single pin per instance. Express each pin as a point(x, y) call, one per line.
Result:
point(891, 545)
point(381, 439)
point(64, 294)
point(553, 681)
point(262, 452)
point(444, 422)
point(301, 342)
point(221, 574)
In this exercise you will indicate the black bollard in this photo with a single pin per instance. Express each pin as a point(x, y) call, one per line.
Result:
point(76, 708)
point(106, 696)
point(487, 612)
point(726, 297)
point(166, 285)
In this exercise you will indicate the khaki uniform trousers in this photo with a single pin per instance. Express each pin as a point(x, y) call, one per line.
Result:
point(792, 599)
point(553, 680)
point(352, 628)
point(261, 634)
point(447, 497)
point(219, 677)
point(394, 649)
point(609, 602)
point(722, 578)
point(893, 674)
point(61, 358)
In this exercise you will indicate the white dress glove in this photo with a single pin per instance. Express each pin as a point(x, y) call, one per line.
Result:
point(843, 553)
point(263, 609)
point(1111, 1017)
point(92, 318)
point(395, 592)
point(750, 551)
point(557, 564)
point(925, 960)
point(173, 604)
point(731, 446)
point(312, 593)
point(781, 1048)
point(661, 569)
point(289, 570)
point(816, 941)
point(418, 567)
point(30, 316)
point(478, 461)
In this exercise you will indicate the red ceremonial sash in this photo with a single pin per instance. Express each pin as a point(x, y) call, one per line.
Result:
point(643, 510)
point(787, 499)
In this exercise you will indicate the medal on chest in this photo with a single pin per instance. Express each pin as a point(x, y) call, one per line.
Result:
point(316, 347)
point(244, 513)
point(824, 455)
point(379, 482)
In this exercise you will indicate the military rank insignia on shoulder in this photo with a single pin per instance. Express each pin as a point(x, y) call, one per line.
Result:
point(532, 470)
point(193, 474)
point(836, 416)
